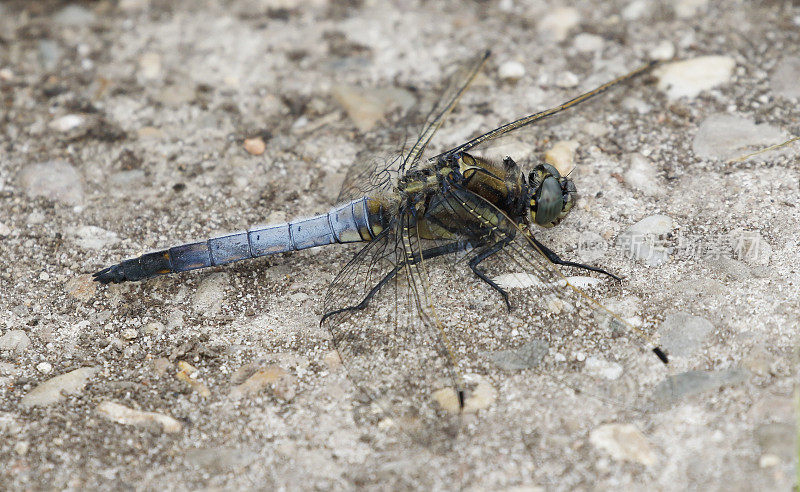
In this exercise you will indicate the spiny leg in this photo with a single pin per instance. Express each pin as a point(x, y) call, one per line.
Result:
point(478, 258)
point(426, 255)
point(554, 258)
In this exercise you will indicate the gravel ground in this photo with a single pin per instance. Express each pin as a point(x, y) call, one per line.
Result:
point(136, 124)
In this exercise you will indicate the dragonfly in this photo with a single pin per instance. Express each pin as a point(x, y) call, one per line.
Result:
point(418, 345)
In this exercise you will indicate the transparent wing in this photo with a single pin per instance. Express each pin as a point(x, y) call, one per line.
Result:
point(482, 140)
point(456, 86)
point(368, 175)
point(391, 344)
point(377, 173)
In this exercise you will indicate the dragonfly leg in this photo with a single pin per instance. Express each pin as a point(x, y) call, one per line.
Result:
point(482, 255)
point(427, 254)
point(554, 258)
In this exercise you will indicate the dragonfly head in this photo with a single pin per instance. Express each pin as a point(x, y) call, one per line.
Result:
point(551, 195)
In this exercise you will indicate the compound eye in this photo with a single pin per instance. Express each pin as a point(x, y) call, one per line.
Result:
point(550, 201)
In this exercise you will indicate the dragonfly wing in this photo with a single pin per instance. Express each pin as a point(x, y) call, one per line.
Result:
point(456, 85)
point(391, 344)
point(514, 126)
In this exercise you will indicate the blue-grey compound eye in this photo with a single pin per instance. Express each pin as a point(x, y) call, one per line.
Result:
point(550, 201)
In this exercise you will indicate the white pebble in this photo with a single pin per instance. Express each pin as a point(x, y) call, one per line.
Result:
point(664, 50)
point(567, 80)
point(4, 230)
point(585, 42)
point(67, 123)
point(511, 70)
point(44, 367)
point(53, 390)
point(635, 10)
point(689, 78)
point(688, 8)
point(556, 25)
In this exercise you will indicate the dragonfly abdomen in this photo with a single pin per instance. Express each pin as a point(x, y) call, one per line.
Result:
point(355, 221)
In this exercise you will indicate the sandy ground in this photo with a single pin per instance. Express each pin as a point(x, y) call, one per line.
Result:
point(136, 124)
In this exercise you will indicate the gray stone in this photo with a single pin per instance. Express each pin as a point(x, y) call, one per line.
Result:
point(49, 53)
point(524, 357)
point(55, 180)
point(54, 389)
point(679, 386)
point(682, 334)
point(642, 240)
point(777, 438)
point(785, 77)
point(14, 341)
point(723, 136)
point(74, 15)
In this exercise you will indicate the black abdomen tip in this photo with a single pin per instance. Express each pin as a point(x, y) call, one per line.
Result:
point(110, 275)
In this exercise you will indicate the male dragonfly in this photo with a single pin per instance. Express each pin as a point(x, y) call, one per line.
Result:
point(414, 346)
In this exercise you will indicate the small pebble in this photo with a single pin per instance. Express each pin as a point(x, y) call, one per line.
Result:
point(567, 80)
point(128, 416)
point(562, 156)
point(664, 50)
point(82, 287)
point(641, 240)
point(54, 390)
point(768, 460)
point(555, 26)
point(585, 42)
point(689, 78)
point(55, 180)
point(188, 374)
point(724, 136)
point(642, 175)
point(785, 76)
point(14, 341)
point(624, 442)
point(685, 9)
point(682, 334)
point(636, 10)
point(129, 333)
point(599, 367)
point(511, 71)
point(21, 447)
point(255, 146)
point(176, 96)
point(282, 384)
point(332, 360)
point(150, 66)
point(44, 367)
point(49, 54)
point(68, 123)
